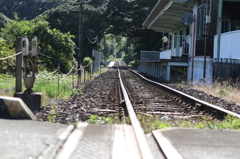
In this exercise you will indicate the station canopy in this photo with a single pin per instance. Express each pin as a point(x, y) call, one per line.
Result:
point(166, 15)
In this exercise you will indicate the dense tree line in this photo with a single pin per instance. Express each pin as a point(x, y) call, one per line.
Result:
point(115, 24)
point(51, 42)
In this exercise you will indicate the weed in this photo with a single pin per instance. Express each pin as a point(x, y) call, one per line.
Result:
point(76, 92)
point(6, 81)
point(95, 119)
point(52, 116)
point(222, 93)
point(150, 123)
point(48, 85)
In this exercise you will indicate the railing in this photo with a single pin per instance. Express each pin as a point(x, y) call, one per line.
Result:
point(180, 45)
point(150, 55)
point(155, 55)
point(229, 45)
point(165, 54)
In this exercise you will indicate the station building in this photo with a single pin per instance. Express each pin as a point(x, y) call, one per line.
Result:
point(201, 40)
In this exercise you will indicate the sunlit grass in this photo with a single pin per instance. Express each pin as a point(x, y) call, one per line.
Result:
point(53, 86)
point(227, 90)
point(150, 123)
point(7, 85)
point(6, 81)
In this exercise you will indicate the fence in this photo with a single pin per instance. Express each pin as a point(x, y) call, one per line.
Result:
point(150, 55)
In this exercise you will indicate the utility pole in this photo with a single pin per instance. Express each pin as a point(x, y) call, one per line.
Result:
point(80, 42)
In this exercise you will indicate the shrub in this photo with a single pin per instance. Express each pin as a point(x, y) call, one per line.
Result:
point(87, 61)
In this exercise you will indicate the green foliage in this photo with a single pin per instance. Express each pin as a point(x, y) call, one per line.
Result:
point(28, 9)
point(76, 93)
point(7, 65)
point(150, 123)
point(3, 20)
point(181, 84)
point(131, 15)
point(48, 85)
point(87, 62)
point(51, 42)
point(95, 119)
point(53, 114)
point(7, 84)
point(132, 63)
point(222, 92)
point(113, 17)
point(66, 18)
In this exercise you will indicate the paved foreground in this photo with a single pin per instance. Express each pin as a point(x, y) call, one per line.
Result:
point(26, 139)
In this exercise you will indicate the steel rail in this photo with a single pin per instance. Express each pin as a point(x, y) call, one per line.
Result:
point(141, 139)
point(187, 97)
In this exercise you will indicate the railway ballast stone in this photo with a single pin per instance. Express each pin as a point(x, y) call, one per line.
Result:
point(96, 94)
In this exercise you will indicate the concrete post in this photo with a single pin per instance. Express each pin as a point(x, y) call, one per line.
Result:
point(172, 45)
point(168, 73)
point(18, 87)
point(178, 44)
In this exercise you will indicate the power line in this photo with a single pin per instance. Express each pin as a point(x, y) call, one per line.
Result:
point(91, 40)
point(86, 25)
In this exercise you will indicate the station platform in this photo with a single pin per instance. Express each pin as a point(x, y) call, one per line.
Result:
point(27, 139)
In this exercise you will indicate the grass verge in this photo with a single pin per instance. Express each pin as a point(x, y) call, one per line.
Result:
point(53, 86)
point(150, 123)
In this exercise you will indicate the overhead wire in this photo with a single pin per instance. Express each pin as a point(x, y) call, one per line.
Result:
point(87, 32)
point(86, 25)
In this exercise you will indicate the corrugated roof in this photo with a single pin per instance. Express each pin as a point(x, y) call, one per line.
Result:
point(166, 15)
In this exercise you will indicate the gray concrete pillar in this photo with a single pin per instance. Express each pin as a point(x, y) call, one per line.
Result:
point(168, 68)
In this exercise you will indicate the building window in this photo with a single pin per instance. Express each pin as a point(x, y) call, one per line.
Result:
point(203, 11)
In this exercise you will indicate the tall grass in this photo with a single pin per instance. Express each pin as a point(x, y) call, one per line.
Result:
point(6, 81)
point(53, 86)
point(227, 90)
point(7, 84)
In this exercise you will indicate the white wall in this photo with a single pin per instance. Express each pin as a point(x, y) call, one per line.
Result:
point(229, 46)
point(165, 54)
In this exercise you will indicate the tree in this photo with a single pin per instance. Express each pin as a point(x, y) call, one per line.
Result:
point(126, 18)
point(7, 65)
point(28, 9)
point(66, 18)
point(3, 20)
point(52, 42)
point(100, 17)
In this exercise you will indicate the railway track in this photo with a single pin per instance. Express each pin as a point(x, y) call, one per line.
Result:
point(151, 100)
point(102, 97)
point(139, 97)
point(122, 92)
